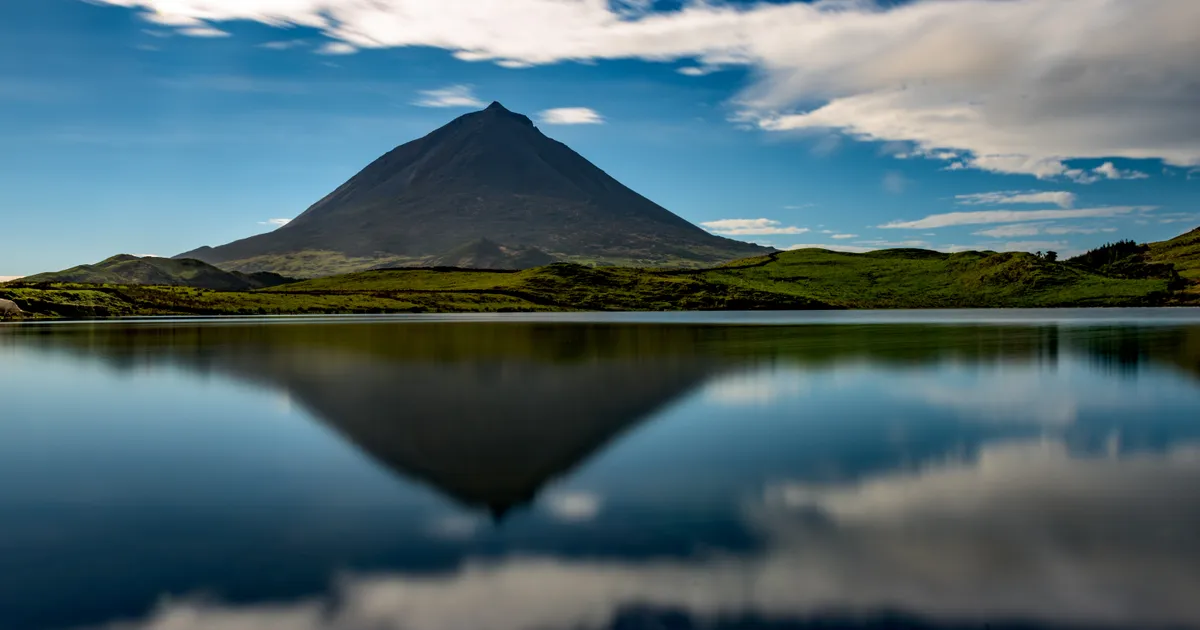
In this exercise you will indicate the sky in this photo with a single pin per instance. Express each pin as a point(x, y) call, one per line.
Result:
point(153, 127)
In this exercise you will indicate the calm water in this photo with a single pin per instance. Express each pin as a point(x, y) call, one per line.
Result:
point(913, 470)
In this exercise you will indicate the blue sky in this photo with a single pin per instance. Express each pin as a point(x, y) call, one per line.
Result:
point(157, 126)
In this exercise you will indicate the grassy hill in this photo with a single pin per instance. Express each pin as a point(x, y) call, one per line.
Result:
point(139, 270)
point(1183, 252)
point(804, 279)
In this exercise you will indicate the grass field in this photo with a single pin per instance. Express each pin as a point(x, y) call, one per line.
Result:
point(804, 279)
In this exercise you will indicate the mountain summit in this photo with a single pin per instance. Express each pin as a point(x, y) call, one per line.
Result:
point(487, 177)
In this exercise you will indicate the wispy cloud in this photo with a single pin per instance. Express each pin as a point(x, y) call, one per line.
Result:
point(287, 44)
point(203, 31)
point(1033, 229)
point(1061, 199)
point(1073, 229)
point(844, 236)
point(337, 48)
point(697, 71)
point(1012, 216)
point(745, 227)
point(834, 247)
point(570, 116)
point(449, 96)
point(275, 222)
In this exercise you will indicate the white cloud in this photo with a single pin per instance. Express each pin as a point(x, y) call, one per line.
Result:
point(275, 222)
point(202, 31)
point(570, 116)
point(10, 278)
point(449, 96)
point(1108, 171)
point(1061, 199)
point(1020, 86)
point(1012, 216)
point(697, 71)
point(844, 236)
point(337, 48)
point(834, 247)
point(742, 227)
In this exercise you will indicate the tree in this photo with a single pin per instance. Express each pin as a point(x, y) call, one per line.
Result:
point(1051, 256)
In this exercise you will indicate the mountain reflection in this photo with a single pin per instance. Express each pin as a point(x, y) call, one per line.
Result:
point(489, 413)
point(875, 476)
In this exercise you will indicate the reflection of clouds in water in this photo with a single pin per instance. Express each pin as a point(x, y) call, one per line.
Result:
point(757, 387)
point(1023, 532)
point(1005, 399)
point(455, 527)
point(573, 506)
point(1019, 394)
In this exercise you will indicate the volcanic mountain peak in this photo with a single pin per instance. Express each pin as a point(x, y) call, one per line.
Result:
point(488, 175)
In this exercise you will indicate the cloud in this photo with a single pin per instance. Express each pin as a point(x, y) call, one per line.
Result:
point(570, 116)
point(1021, 86)
point(1020, 531)
point(799, 206)
point(449, 96)
point(203, 31)
point(10, 278)
point(844, 236)
point(275, 222)
point(697, 71)
point(834, 247)
point(894, 183)
point(1072, 229)
point(284, 44)
point(742, 227)
point(1012, 216)
point(1061, 199)
point(337, 48)
point(1108, 171)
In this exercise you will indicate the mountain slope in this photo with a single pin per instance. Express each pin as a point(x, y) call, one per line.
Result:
point(137, 270)
point(490, 175)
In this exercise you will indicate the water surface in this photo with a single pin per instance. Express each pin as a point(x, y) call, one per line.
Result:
point(1025, 469)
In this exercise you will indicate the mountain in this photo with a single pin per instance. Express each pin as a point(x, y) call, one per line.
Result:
point(489, 177)
point(138, 270)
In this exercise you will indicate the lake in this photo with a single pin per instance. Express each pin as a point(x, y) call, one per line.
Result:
point(1007, 469)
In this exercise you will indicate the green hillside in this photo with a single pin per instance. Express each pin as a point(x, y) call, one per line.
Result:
point(1119, 274)
point(139, 270)
point(1183, 252)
